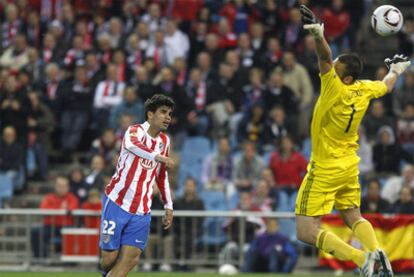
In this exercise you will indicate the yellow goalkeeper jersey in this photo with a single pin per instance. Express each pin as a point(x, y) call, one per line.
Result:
point(337, 116)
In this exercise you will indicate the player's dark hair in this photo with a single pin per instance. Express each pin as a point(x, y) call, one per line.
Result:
point(353, 65)
point(156, 101)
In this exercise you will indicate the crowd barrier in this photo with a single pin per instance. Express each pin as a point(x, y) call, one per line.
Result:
point(196, 238)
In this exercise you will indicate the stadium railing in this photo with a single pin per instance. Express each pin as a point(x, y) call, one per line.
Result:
point(197, 238)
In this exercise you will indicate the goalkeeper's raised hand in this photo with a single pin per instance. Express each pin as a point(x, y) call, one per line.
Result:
point(398, 64)
point(311, 23)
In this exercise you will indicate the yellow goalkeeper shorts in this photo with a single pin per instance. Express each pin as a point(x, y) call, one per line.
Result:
point(326, 187)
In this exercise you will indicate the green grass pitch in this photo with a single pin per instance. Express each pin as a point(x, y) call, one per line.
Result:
point(152, 274)
point(173, 274)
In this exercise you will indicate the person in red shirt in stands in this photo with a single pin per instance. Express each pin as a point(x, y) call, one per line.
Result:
point(93, 203)
point(288, 166)
point(60, 199)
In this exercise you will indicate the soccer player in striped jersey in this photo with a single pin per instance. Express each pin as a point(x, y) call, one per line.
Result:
point(126, 207)
point(332, 178)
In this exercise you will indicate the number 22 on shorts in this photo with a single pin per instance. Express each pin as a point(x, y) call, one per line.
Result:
point(108, 227)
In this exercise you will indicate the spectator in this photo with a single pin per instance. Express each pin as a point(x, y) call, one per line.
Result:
point(198, 99)
point(180, 67)
point(40, 122)
point(141, 81)
point(405, 128)
point(11, 25)
point(404, 94)
point(405, 36)
point(50, 53)
point(247, 168)
point(134, 52)
point(227, 99)
point(123, 70)
point(394, 185)
point(230, 252)
point(272, 56)
point(108, 94)
point(12, 107)
point(78, 186)
point(176, 42)
point(405, 203)
point(33, 69)
point(51, 87)
point(254, 92)
point(375, 119)
point(338, 21)
point(297, 79)
point(188, 226)
point(131, 104)
point(104, 48)
point(387, 153)
point(153, 18)
point(81, 29)
point(158, 50)
point(107, 145)
point(218, 168)
point(227, 39)
point(95, 178)
point(212, 48)
point(12, 157)
point(279, 94)
point(75, 101)
point(204, 65)
point(252, 125)
point(277, 126)
point(373, 202)
point(271, 16)
point(258, 44)
point(167, 85)
point(261, 196)
point(116, 30)
point(76, 53)
point(94, 204)
point(288, 166)
point(245, 51)
point(94, 72)
point(310, 61)
point(366, 164)
point(271, 251)
point(293, 33)
point(61, 199)
point(160, 242)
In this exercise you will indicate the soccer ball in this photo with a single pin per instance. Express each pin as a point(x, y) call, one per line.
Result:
point(386, 20)
point(228, 269)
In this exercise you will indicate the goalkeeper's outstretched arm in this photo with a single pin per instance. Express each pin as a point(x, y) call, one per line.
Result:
point(397, 65)
point(315, 28)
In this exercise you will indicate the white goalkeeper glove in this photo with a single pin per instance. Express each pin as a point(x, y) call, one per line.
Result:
point(316, 30)
point(311, 24)
point(398, 64)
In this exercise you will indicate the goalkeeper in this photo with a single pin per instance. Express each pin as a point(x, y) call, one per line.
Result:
point(332, 178)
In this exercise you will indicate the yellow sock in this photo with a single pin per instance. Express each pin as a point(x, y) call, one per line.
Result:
point(365, 234)
point(333, 245)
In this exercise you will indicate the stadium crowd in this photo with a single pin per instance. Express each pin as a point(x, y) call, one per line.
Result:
point(75, 74)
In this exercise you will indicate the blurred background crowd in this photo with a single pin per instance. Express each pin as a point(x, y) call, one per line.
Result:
point(243, 73)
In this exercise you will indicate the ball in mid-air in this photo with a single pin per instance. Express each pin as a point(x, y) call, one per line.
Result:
point(386, 20)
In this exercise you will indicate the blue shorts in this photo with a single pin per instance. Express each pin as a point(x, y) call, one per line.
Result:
point(119, 227)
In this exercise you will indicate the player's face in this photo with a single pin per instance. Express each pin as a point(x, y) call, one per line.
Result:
point(340, 70)
point(161, 119)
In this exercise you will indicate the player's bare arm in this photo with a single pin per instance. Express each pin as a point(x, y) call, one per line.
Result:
point(167, 219)
point(315, 28)
point(397, 65)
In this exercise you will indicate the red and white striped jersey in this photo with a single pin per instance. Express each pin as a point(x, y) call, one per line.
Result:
point(137, 171)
